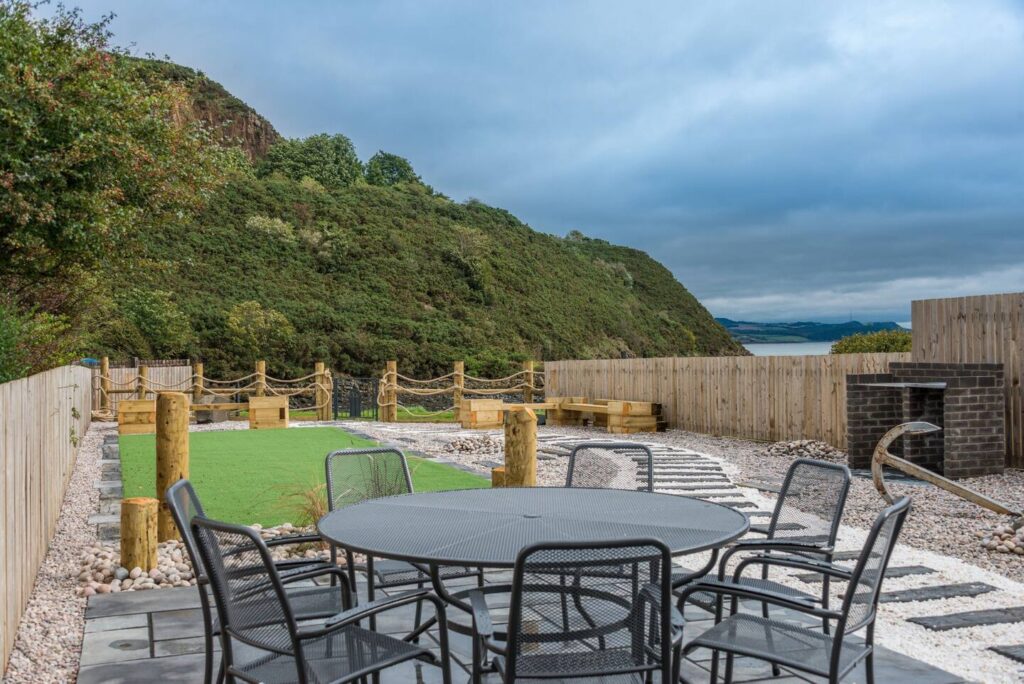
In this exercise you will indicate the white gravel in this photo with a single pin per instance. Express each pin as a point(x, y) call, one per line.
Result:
point(49, 638)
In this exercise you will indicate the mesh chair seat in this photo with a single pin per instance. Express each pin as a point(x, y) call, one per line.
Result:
point(308, 603)
point(333, 657)
point(786, 644)
point(596, 661)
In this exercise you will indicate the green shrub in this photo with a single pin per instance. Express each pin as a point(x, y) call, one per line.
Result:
point(881, 341)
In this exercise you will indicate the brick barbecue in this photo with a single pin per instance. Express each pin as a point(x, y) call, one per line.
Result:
point(966, 399)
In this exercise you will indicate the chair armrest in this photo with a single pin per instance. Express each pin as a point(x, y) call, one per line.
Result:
point(482, 623)
point(652, 594)
point(294, 539)
point(352, 615)
point(810, 564)
point(742, 592)
point(318, 571)
point(769, 545)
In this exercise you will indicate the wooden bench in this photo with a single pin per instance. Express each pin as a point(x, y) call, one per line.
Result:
point(618, 417)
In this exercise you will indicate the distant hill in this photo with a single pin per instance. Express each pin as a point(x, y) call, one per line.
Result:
point(360, 273)
point(800, 331)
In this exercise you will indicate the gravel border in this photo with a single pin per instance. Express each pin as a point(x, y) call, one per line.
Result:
point(49, 641)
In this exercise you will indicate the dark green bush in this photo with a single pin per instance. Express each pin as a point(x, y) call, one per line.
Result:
point(881, 341)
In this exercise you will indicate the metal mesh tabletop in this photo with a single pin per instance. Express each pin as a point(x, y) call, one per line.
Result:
point(488, 527)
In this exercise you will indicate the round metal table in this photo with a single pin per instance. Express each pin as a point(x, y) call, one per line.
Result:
point(489, 527)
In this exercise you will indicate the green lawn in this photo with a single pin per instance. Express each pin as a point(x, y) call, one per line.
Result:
point(260, 476)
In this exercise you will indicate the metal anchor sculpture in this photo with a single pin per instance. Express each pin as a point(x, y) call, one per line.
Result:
point(882, 457)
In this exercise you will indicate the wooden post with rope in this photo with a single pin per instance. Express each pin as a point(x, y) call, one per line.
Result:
point(171, 454)
point(261, 378)
point(138, 533)
point(321, 395)
point(459, 382)
point(140, 388)
point(520, 448)
point(197, 381)
point(389, 410)
point(528, 381)
point(105, 384)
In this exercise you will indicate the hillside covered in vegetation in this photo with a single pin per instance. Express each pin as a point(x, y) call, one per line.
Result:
point(288, 250)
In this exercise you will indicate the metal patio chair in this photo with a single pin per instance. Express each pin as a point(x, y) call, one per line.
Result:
point(261, 638)
point(611, 465)
point(803, 648)
point(624, 635)
point(355, 475)
point(310, 603)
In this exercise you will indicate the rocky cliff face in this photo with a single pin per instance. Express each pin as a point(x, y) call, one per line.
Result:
point(236, 122)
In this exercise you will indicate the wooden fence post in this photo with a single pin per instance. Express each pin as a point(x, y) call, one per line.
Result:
point(459, 381)
point(528, 380)
point(171, 454)
point(197, 381)
point(389, 411)
point(140, 389)
point(261, 378)
point(138, 533)
point(105, 384)
point(520, 448)
point(321, 395)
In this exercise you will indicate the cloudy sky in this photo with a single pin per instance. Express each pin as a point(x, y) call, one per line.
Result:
point(811, 160)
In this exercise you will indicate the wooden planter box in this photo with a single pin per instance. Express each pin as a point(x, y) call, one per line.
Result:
point(482, 414)
point(268, 412)
point(136, 417)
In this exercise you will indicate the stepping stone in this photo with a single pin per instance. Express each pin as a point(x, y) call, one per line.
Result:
point(760, 486)
point(841, 556)
point(1011, 652)
point(701, 488)
point(941, 591)
point(716, 495)
point(739, 504)
point(971, 618)
point(759, 514)
point(898, 571)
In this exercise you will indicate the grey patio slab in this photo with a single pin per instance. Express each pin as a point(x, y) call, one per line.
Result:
point(971, 618)
point(176, 624)
point(186, 669)
point(126, 602)
point(116, 645)
point(1012, 652)
point(105, 624)
point(935, 593)
point(184, 646)
point(896, 571)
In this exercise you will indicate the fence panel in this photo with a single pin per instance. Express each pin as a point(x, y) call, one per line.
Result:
point(160, 378)
point(755, 397)
point(982, 329)
point(42, 417)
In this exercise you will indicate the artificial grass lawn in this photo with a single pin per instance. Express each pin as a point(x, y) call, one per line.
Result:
point(256, 476)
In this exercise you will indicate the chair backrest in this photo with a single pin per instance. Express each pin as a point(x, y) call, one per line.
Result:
point(611, 465)
point(865, 584)
point(811, 501)
point(247, 590)
point(611, 625)
point(355, 475)
point(184, 504)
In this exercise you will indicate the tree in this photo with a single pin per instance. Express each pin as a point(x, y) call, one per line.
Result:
point(257, 333)
point(89, 153)
point(328, 159)
point(881, 341)
point(389, 169)
point(166, 330)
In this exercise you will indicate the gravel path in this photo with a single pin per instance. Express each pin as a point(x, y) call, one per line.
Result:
point(49, 638)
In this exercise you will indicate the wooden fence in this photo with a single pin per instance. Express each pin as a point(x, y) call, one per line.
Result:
point(176, 378)
point(42, 417)
point(983, 329)
point(754, 397)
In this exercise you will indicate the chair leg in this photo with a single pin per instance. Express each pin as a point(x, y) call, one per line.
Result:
point(869, 661)
point(824, 602)
point(480, 578)
point(419, 613)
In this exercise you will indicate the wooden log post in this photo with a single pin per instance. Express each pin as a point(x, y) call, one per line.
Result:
point(498, 476)
point(261, 378)
point(520, 448)
point(105, 386)
point(140, 388)
point(321, 395)
point(389, 410)
point(528, 381)
point(138, 533)
point(459, 383)
point(197, 381)
point(171, 454)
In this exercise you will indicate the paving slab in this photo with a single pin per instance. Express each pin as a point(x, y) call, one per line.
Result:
point(936, 593)
point(895, 571)
point(127, 602)
point(185, 669)
point(970, 618)
point(114, 646)
point(1011, 652)
point(105, 624)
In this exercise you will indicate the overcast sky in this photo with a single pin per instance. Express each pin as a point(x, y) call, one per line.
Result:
point(811, 160)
